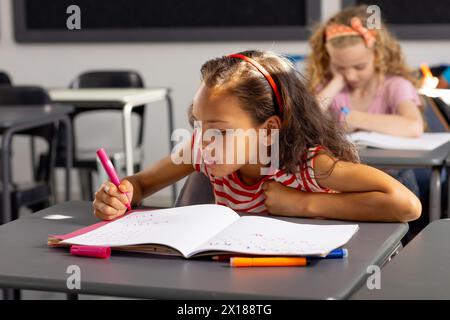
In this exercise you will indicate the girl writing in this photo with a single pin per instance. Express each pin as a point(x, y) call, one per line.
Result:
point(318, 174)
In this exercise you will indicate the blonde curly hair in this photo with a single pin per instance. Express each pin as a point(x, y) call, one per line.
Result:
point(389, 59)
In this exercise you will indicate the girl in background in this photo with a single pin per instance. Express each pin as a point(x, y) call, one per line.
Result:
point(361, 77)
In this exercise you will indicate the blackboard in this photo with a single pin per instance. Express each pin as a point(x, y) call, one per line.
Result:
point(165, 20)
point(413, 19)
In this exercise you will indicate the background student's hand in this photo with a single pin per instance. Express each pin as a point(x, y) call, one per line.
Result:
point(110, 202)
point(350, 124)
point(282, 200)
point(331, 89)
point(337, 78)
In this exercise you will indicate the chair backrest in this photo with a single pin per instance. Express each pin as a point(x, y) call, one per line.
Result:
point(113, 79)
point(5, 80)
point(438, 69)
point(108, 79)
point(33, 96)
point(23, 95)
point(196, 190)
point(443, 107)
point(435, 119)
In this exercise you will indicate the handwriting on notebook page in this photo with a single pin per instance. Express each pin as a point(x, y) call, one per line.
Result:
point(262, 243)
point(127, 229)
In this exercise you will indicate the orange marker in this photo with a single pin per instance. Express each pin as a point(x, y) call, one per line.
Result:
point(268, 262)
point(426, 70)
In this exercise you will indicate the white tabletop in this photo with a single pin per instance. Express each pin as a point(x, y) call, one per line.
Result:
point(444, 94)
point(135, 95)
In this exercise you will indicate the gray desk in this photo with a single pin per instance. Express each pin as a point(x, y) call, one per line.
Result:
point(434, 159)
point(27, 263)
point(118, 99)
point(15, 119)
point(420, 271)
point(124, 99)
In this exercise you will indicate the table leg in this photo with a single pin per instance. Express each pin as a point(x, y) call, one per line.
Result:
point(435, 194)
point(11, 294)
point(69, 154)
point(6, 166)
point(72, 296)
point(447, 201)
point(128, 139)
point(171, 129)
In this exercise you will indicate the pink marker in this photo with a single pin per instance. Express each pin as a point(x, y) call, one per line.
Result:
point(110, 171)
point(91, 251)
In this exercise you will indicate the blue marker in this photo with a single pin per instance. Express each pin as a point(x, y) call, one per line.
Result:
point(335, 254)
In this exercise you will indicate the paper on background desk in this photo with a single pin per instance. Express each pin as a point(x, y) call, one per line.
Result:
point(428, 141)
point(204, 228)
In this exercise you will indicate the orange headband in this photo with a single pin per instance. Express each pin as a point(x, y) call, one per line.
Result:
point(356, 28)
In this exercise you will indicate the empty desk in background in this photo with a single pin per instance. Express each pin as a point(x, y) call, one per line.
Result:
point(27, 263)
point(433, 159)
point(15, 119)
point(122, 99)
point(420, 271)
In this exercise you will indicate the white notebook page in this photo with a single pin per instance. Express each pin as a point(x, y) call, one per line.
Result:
point(269, 236)
point(428, 141)
point(183, 228)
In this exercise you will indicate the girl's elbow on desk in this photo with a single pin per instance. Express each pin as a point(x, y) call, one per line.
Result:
point(397, 206)
point(405, 206)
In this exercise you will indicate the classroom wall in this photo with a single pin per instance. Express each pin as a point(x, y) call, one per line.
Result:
point(174, 65)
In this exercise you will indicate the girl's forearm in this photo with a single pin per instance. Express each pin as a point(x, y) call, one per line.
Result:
point(137, 189)
point(385, 123)
point(363, 206)
point(156, 177)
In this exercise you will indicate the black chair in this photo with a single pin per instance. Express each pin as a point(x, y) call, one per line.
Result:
point(5, 80)
point(196, 190)
point(85, 159)
point(37, 193)
point(436, 114)
point(443, 107)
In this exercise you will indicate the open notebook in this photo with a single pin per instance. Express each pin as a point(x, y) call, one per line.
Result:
point(208, 230)
point(428, 141)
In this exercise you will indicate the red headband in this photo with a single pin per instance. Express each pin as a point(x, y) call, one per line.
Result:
point(266, 74)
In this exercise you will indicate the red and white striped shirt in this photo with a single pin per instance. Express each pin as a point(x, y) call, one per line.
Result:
point(230, 191)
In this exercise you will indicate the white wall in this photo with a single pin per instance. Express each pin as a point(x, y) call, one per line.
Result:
point(175, 65)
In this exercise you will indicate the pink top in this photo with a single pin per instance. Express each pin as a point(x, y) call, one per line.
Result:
point(389, 95)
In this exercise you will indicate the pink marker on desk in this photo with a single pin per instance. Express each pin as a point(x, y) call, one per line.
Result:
point(91, 251)
point(110, 171)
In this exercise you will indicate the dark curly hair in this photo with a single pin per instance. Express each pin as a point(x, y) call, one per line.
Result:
point(304, 124)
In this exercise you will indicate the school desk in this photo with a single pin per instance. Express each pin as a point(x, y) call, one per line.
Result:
point(122, 99)
point(118, 99)
point(433, 159)
point(420, 271)
point(27, 263)
point(14, 119)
